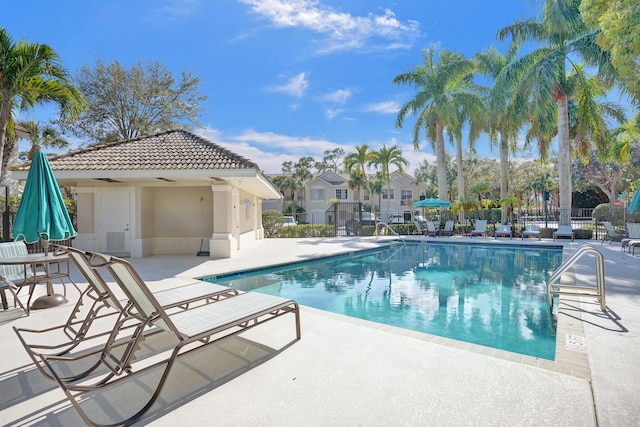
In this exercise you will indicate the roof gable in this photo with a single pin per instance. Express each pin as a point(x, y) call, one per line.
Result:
point(170, 150)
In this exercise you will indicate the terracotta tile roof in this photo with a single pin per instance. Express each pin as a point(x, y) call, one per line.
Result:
point(171, 150)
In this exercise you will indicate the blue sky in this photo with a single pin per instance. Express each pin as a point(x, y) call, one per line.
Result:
point(285, 78)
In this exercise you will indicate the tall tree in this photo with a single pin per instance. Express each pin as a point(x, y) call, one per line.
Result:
point(142, 100)
point(619, 24)
point(383, 159)
point(355, 164)
point(331, 161)
point(503, 122)
point(440, 92)
point(542, 74)
point(32, 74)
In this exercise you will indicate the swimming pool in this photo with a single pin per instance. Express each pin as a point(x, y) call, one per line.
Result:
point(485, 294)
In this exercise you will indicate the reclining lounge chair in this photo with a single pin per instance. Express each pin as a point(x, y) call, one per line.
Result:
point(610, 233)
point(504, 230)
point(481, 228)
point(564, 231)
point(103, 303)
point(192, 329)
point(531, 231)
point(633, 233)
point(447, 230)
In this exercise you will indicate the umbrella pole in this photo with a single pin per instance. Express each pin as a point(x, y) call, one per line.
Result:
point(51, 299)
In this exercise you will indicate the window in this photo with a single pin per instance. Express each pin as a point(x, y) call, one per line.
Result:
point(317, 194)
point(388, 195)
point(341, 194)
point(406, 196)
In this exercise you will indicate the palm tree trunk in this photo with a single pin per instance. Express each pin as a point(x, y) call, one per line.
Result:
point(5, 109)
point(460, 177)
point(441, 162)
point(564, 161)
point(504, 172)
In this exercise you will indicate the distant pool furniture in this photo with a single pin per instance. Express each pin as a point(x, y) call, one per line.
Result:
point(633, 233)
point(504, 230)
point(431, 229)
point(610, 233)
point(531, 231)
point(481, 228)
point(447, 230)
point(191, 329)
point(564, 231)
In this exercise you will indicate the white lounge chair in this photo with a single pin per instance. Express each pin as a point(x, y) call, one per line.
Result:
point(448, 229)
point(504, 230)
point(564, 231)
point(481, 228)
point(531, 231)
point(633, 233)
point(611, 233)
point(431, 229)
point(191, 329)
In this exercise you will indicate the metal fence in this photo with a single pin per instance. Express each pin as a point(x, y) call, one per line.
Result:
point(350, 219)
point(6, 224)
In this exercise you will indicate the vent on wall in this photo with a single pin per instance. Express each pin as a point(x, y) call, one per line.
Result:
point(115, 241)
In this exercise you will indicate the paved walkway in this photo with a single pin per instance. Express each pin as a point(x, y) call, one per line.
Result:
point(351, 372)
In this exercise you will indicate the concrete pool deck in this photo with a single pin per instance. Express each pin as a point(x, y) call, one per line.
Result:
point(350, 372)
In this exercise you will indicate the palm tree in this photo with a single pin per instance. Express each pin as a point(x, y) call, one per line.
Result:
point(44, 135)
point(32, 74)
point(542, 75)
point(356, 165)
point(383, 159)
point(503, 122)
point(442, 89)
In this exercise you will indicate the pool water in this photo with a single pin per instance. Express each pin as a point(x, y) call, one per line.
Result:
point(485, 294)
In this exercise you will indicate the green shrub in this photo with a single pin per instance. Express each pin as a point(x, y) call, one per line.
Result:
point(271, 221)
point(546, 233)
point(617, 216)
point(583, 234)
point(306, 230)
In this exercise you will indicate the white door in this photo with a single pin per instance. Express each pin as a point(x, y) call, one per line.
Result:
point(116, 217)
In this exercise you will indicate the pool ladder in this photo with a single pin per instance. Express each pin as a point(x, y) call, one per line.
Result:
point(384, 224)
point(558, 289)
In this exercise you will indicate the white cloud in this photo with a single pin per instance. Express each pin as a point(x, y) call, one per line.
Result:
point(295, 86)
point(385, 107)
point(269, 150)
point(342, 31)
point(339, 96)
point(332, 114)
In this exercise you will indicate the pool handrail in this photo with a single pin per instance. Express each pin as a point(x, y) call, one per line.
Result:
point(558, 289)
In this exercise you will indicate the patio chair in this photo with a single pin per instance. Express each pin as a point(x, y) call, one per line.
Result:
point(481, 228)
point(431, 229)
point(192, 329)
point(448, 229)
point(503, 230)
point(531, 231)
point(610, 233)
point(102, 303)
point(633, 233)
point(564, 231)
point(14, 277)
point(8, 285)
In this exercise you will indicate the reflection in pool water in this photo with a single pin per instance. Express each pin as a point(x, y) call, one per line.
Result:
point(484, 294)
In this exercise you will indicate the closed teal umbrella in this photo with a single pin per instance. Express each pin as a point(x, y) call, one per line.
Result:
point(42, 214)
point(634, 206)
